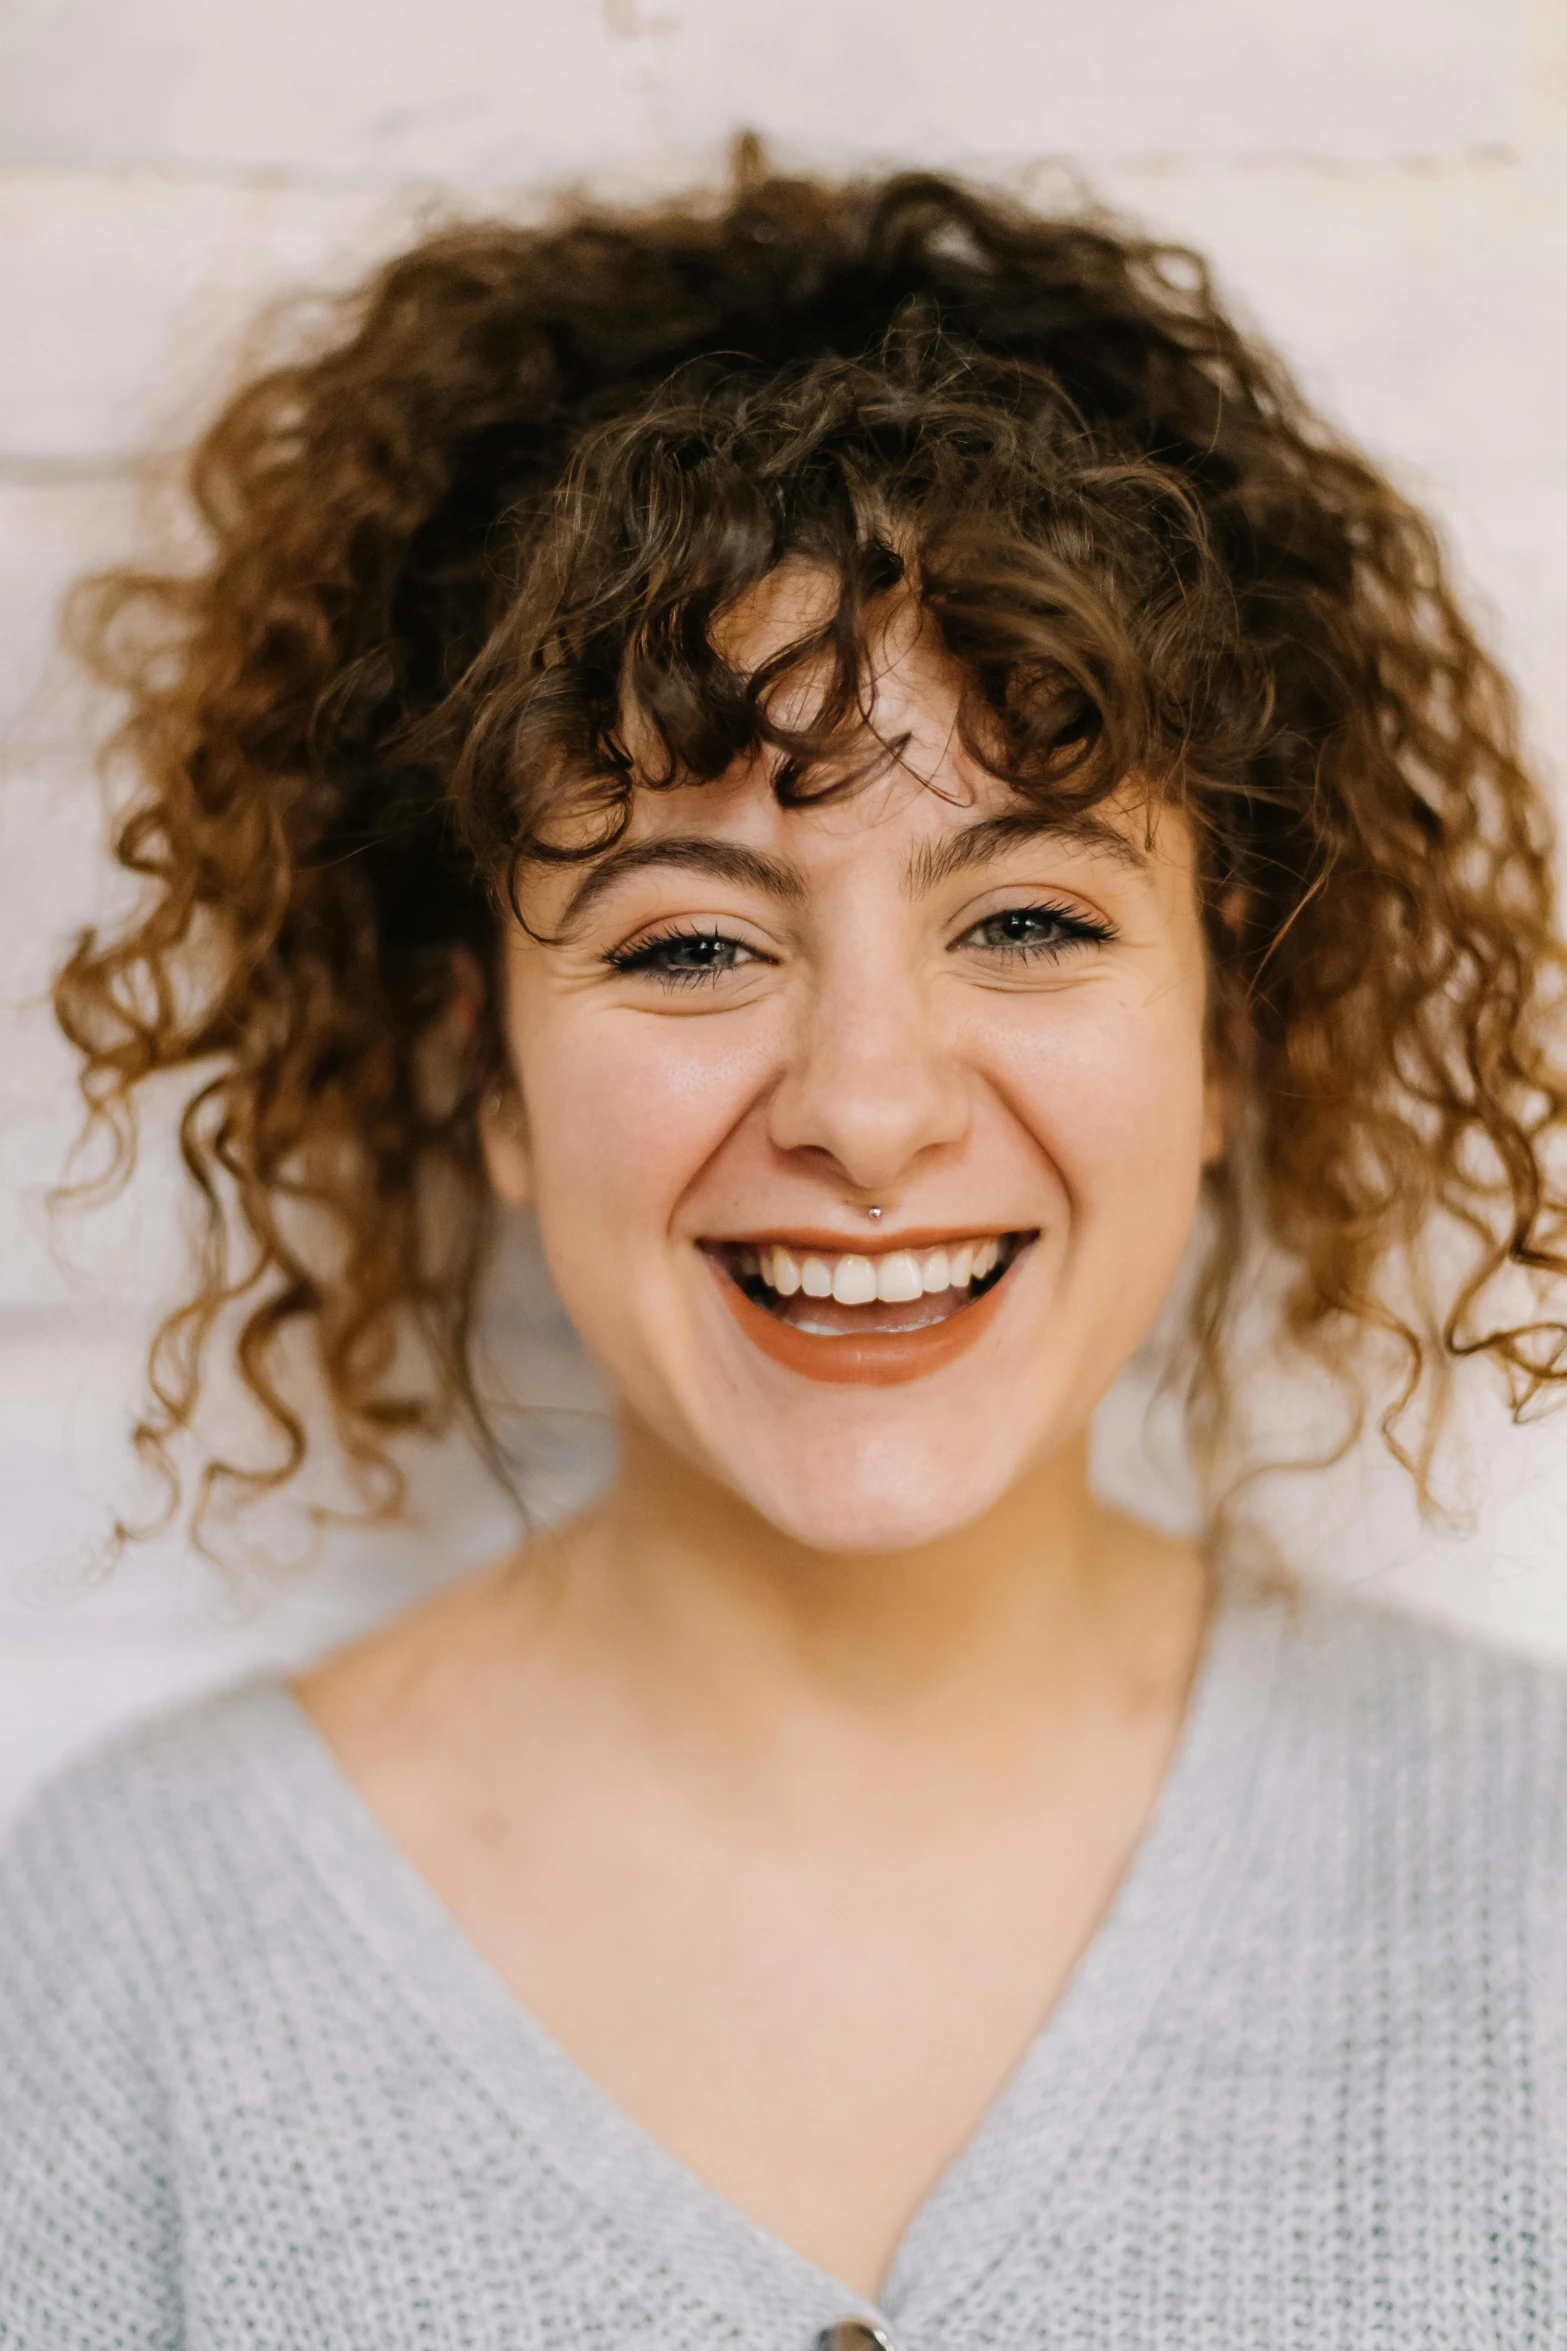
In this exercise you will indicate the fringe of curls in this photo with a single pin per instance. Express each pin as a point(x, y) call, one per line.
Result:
point(478, 539)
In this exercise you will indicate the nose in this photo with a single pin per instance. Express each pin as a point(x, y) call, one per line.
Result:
point(871, 1085)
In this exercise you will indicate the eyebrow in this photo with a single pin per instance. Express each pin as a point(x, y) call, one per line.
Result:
point(937, 861)
point(726, 861)
point(928, 867)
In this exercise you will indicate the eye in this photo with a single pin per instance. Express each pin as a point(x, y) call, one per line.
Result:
point(1032, 932)
point(683, 958)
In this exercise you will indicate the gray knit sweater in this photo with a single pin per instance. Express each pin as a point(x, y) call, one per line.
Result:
point(1308, 2087)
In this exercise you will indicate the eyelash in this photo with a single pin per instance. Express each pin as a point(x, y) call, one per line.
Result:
point(643, 956)
point(1072, 930)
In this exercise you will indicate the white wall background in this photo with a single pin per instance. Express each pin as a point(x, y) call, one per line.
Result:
point(1384, 190)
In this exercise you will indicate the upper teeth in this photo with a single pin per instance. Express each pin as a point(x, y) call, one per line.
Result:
point(855, 1281)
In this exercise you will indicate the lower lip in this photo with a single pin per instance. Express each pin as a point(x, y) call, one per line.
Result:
point(881, 1359)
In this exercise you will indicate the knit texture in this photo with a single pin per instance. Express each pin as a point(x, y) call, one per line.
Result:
point(1308, 2087)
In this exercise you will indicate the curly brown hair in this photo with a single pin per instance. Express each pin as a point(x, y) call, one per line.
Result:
point(506, 498)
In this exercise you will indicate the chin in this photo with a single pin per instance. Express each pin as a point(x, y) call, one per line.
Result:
point(878, 1496)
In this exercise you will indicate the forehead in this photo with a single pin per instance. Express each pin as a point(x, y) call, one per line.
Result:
point(906, 793)
point(914, 800)
point(927, 794)
point(922, 779)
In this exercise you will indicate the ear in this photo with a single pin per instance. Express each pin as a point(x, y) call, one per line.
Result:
point(503, 1138)
point(1225, 1061)
point(1217, 1104)
point(503, 1125)
point(1226, 1049)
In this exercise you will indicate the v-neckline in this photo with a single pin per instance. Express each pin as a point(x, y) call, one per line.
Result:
point(1026, 2139)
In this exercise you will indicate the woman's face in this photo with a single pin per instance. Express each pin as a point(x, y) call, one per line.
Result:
point(909, 1050)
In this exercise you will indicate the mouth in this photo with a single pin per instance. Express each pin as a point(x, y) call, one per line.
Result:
point(863, 1317)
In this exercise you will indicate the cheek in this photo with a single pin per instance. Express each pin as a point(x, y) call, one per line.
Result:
point(625, 1111)
point(1113, 1091)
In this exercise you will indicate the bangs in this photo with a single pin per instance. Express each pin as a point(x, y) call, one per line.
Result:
point(829, 512)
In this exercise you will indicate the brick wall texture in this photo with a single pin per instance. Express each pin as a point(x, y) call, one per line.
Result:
point(1384, 192)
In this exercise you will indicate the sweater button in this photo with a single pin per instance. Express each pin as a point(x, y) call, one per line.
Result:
point(854, 2334)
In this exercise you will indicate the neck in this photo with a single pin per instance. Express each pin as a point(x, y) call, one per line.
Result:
point(1034, 1603)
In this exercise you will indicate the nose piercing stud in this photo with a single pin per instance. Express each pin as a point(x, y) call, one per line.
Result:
point(873, 1212)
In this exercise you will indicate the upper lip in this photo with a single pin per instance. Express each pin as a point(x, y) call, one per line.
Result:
point(875, 1243)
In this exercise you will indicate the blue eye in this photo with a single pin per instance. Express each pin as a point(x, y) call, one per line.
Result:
point(680, 958)
point(1032, 931)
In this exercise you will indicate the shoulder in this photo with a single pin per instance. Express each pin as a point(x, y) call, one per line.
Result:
point(125, 1857)
point(1429, 1742)
point(122, 1879)
point(1412, 1677)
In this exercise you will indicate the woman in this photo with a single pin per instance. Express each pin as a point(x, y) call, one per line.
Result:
point(859, 754)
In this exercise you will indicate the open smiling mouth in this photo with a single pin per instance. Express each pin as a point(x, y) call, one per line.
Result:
point(862, 1318)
